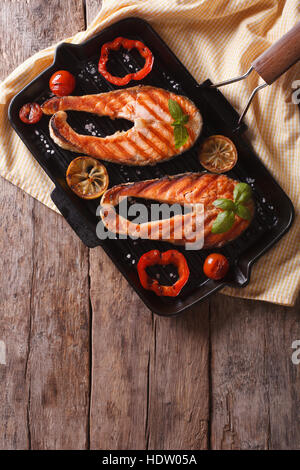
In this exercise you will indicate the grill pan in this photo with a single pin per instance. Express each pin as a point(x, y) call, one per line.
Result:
point(274, 210)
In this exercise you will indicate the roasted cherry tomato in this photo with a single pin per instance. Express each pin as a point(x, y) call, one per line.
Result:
point(216, 266)
point(30, 113)
point(127, 44)
point(62, 83)
point(168, 257)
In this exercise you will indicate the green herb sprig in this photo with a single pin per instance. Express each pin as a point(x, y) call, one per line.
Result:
point(180, 131)
point(241, 195)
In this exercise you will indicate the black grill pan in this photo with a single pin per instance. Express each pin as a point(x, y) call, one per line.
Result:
point(274, 210)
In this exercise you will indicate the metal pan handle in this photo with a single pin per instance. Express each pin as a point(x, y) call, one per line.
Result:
point(276, 60)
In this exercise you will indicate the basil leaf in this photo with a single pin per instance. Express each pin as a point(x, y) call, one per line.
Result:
point(225, 204)
point(180, 135)
point(223, 222)
point(185, 118)
point(242, 193)
point(243, 211)
point(180, 122)
point(175, 110)
point(180, 132)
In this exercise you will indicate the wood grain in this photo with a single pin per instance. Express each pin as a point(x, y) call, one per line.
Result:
point(92, 9)
point(44, 278)
point(179, 382)
point(280, 56)
point(255, 385)
point(16, 245)
point(122, 335)
point(30, 25)
point(58, 358)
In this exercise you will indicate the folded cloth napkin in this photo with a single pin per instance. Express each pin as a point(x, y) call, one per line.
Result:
point(218, 40)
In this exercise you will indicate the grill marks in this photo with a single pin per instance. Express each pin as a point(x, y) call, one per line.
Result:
point(149, 141)
point(118, 101)
point(160, 98)
point(183, 188)
point(149, 109)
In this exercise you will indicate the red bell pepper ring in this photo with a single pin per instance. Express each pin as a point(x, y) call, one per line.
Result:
point(127, 44)
point(154, 257)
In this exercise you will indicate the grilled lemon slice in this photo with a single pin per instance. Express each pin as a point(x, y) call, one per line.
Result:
point(218, 154)
point(87, 177)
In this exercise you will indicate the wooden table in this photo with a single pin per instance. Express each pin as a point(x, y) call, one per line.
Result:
point(87, 365)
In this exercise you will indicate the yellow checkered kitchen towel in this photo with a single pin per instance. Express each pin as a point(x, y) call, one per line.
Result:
point(216, 39)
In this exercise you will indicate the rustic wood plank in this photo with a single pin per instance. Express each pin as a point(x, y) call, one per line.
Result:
point(122, 334)
point(150, 381)
point(255, 385)
point(92, 9)
point(283, 388)
point(16, 240)
point(150, 374)
point(247, 398)
point(179, 382)
point(30, 25)
point(255, 398)
point(44, 273)
point(58, 360)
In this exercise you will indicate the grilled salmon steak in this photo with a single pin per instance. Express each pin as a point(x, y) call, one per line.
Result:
point(186, 188)
point(149, 141)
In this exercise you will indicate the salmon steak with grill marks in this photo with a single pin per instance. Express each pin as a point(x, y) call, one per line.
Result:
point(148, 142)
point(186, 188)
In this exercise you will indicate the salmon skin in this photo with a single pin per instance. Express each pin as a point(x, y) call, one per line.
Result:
point(148, 142)
point(186, 188)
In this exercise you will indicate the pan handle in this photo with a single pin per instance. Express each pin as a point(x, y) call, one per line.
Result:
point(276, 60)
